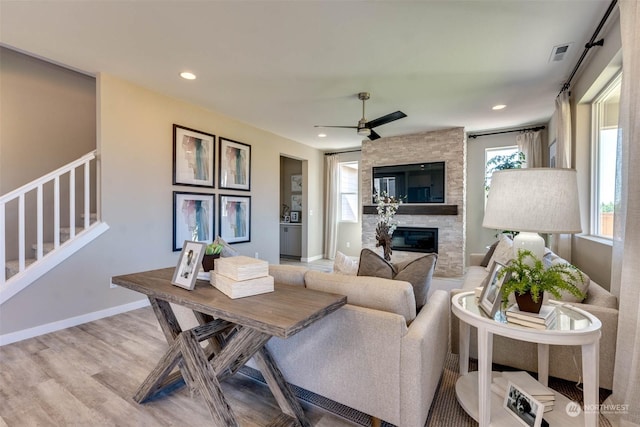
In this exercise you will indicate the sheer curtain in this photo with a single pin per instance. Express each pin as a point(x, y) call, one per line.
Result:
point(561, 243)
point(625, 271)
point(331, 203)
point(530, 143)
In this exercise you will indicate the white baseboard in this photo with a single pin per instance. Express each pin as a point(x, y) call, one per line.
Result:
point(68, 323)
point(310, 259)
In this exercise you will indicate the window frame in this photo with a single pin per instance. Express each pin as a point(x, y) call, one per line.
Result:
point(356, 194)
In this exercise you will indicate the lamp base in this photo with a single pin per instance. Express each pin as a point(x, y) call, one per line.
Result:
point(529, 241)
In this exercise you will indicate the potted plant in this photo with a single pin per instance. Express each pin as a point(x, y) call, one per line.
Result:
point(528, 279)
point(212, 252)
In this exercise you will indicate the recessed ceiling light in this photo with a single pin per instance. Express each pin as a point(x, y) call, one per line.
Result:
point(322, 135)
point(498, 107)
point(187, 75)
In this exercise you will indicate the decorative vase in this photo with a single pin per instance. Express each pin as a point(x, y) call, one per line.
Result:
point(526, 303)
point(208, 262)
point(384, 239)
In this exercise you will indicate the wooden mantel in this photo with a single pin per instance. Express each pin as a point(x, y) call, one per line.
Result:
point(411, 209)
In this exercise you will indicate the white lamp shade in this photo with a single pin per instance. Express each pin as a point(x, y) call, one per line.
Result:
point(539, 200)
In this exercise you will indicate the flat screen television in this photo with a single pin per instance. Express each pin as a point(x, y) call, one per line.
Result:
point(414, 183)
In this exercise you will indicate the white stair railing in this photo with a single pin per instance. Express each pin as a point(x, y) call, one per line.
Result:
point(37, 185)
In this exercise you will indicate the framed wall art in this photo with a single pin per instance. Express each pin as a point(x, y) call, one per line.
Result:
point(192, 218)
point(296, 202)
point(235, 218)
point(193, 157)
point(235, 165)
point(186, 271)
point(296, 183)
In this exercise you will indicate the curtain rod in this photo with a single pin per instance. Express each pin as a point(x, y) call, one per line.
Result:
point(533, 129)
point(589, 45)
point(341, 152)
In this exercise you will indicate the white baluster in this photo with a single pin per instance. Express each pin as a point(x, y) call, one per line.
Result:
point(87, 195)
point(21, 220)
point(56, 212)
point(3, 258)
point(72, 204)
point(39, 224)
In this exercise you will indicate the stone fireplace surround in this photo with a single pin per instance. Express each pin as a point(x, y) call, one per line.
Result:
point(447, 145)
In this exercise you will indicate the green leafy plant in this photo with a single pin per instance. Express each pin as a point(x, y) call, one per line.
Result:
point(213, 249)
point(532, 276)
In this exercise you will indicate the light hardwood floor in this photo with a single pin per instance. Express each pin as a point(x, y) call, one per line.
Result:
point(87, 375)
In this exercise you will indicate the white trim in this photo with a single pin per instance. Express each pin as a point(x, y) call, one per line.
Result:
point(70, 322)
point(311, 259)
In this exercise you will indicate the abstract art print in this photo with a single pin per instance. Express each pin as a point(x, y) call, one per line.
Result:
point(193, 157)
point(235, 165)
point(235, 218)
point(192, 218)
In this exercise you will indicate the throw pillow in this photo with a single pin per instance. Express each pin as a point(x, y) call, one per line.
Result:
point(550, 259)
point(227, 250)
point(345, 265)
point(418, 272)
point(503, 252)
point(489, 254)
point(372, 264)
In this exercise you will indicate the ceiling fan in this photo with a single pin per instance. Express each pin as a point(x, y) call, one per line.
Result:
point(364, 127)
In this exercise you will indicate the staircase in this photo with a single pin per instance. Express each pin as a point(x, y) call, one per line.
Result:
point(17, 215)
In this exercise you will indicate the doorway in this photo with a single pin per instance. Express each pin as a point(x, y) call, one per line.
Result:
point(291, 197)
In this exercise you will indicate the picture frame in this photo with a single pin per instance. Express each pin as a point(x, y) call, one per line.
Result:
point(193, 157)
point(296, 216)
point(235, 218)
point(296, 202)
point(235, 165)
point(524, 407)
point(189, 263)
point(192, 218)
point(490, 298)
point(296, 183)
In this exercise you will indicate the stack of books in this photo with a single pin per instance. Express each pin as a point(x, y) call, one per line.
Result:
point(526, 382)
point(241, 276)
point(546, 319)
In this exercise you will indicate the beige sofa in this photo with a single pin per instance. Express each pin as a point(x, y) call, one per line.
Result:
point(373, 354)
point(564, 361)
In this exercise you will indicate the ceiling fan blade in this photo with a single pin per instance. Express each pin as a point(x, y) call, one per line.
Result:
point(373, 135)
point(385, 119)
point(344, 127)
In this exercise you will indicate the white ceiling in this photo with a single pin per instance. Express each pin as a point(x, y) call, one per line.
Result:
point(285, 66)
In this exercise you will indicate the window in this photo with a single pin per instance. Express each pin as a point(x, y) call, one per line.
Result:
point(605, 111)
point(500, 158)
point(349, 192)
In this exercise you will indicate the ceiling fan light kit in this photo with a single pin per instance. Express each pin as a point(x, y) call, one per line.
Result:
point(365, 128)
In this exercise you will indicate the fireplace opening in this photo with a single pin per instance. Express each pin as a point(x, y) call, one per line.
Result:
point(415, 239)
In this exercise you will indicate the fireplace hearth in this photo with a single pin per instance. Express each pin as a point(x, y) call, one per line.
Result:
point(415, 239)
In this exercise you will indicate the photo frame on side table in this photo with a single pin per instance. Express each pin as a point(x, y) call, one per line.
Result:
point(193, 157)
point(186, 271)
point(192, 218)
point(491, 296)
point(523, 406)
point(235, 218)
point(235, 165)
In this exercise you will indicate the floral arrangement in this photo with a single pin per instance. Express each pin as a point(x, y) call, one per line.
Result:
point(387, 206)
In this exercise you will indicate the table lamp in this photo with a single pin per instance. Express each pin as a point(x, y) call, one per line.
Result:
point(532, 201)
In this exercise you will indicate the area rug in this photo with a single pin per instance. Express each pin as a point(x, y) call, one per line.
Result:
point(445, 410)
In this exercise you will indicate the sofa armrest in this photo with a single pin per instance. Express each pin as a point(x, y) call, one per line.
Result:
point(424, 349)
point(476, 259)
point(599, 296)
point(287, 274)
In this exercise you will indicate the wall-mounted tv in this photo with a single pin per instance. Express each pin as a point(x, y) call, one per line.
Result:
point(414, 183)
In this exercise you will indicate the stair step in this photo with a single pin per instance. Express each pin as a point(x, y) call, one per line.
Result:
point(12, 267)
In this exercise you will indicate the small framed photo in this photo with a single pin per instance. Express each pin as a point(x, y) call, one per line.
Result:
point(235, 218)
point(296, 183)
point(235, 165)
point(523, 406)
point(193, 157)
point(287, 218)
point(295, 216)
point(491, 297)
point(192, 218)
point(189, 263)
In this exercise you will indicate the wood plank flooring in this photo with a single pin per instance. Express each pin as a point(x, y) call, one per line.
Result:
point(87, 375)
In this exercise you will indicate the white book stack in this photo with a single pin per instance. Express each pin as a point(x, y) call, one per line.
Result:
point(546, 319)
point(241, 276)
point(526, 382)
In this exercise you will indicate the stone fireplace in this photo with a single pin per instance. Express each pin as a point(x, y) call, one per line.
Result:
point(415, 239)
point(447, 218)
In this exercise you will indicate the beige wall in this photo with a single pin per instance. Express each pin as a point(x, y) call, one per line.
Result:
point(135, 143)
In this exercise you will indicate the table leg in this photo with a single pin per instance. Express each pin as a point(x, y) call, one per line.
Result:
point(543, 364)
point(590, 369)
point(485, 356)
point(463, 344)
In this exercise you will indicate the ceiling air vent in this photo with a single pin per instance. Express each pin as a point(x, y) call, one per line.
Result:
point(558, 52)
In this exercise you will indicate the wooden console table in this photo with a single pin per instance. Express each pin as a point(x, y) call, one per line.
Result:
point(235, 331)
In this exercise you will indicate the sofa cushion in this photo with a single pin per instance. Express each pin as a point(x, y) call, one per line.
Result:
point(345, 265)
point(392, 296)
point(373, 265)
point(287, 274)
point(489, 254)
point(503, 252)
point(418, 272)
point(550, 258)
